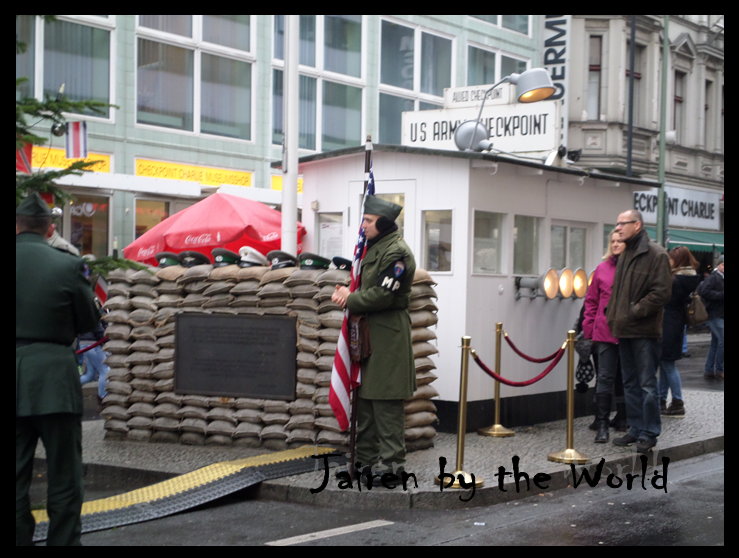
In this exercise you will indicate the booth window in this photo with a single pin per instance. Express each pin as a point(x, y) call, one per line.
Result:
point(89, 219)
point(567, 247)
point(437, 236)
point(330, 235)
point(526, 245)
point(487, 243)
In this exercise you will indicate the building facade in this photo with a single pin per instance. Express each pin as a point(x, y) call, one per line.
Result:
point(199, 98)
point(598, 108)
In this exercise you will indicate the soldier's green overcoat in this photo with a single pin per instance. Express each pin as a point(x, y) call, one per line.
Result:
point(389, 373)
point(53, 304)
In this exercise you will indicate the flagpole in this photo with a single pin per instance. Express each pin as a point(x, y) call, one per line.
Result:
point(353, 421)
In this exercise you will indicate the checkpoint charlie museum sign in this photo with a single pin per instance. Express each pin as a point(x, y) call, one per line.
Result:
point(687, 208)
point(513, 127)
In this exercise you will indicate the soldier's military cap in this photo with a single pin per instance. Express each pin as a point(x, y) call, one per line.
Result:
point(251, 257)
point(279, 259)
point(223, 257)
point(166, 259)
point(313, 261)
point(377, 206)
point(342, 263)
point(33, 206)
point(190, 258)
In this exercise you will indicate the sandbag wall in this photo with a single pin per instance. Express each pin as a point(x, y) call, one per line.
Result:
point(141, 404)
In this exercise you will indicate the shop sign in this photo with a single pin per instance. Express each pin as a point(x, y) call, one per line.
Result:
point(515, 128)
point(49, 157)
point(277, 183)
point(207, 176)
point(691, 209)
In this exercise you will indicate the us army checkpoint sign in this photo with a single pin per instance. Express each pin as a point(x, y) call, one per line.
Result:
point(514, 128)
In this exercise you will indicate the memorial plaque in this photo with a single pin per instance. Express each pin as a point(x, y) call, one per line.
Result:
point(236, 356)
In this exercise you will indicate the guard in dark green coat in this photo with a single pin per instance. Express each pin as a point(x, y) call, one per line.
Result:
point(53, 304)
point(389, 374)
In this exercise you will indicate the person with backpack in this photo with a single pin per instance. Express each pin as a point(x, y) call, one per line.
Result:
point(712, 291)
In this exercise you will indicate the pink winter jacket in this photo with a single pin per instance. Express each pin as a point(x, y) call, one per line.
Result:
point(594, 323)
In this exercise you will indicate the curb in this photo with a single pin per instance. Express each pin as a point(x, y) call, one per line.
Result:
point(491, 494)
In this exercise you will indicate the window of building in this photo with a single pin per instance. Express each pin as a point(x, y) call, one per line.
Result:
point(526, 245)
point(415, 68)
point(638, 60)
point(594, 77)
point(489, 18)
point(194, 73)
point(149, 213)
point(73, 51)
point(89, 219)
point(567, 247)
point(679, 105)
point(486, 67)
point(518, 23)
point(437, 240)
point(487, 243)
point(708, 120)
point(331, 85)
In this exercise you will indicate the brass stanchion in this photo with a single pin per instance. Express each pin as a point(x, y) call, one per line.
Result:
point(570, 455)
point(497, 430)
point(462, 421)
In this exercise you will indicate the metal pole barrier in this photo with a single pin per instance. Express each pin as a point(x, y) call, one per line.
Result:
point(570, 455)
point(497, 430)
point(462, 420)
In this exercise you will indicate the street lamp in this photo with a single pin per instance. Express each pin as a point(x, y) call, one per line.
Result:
point(531, 86)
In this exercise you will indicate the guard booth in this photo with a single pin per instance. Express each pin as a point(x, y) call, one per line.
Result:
point(477, 222)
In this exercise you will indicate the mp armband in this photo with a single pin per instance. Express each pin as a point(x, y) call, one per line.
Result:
point(392, 277)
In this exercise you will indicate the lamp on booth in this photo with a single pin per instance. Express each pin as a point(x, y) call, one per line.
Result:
point(566, 279)
point(545, 285)
point(580, 283)
point(531, 86)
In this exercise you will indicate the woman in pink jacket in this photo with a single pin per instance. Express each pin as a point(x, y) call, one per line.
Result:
point(594, 327)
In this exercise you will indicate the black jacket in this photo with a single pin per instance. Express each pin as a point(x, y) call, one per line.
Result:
point(674, 320)
point(712, 291)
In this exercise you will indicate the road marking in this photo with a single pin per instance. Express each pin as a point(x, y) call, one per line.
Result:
point(329, 533)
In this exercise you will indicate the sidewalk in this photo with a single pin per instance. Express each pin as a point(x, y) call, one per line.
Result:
point(700, 432)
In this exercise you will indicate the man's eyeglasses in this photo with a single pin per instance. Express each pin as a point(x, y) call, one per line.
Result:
point(624, 223)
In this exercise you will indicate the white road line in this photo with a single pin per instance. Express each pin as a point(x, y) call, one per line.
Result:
point(329, 533)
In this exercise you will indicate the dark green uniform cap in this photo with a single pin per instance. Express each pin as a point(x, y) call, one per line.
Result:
point(377, 206)
point(223, 257)
point(33, 206)
point(279, 259)
point(313, 261)
point(190, 258)
point(167, 259)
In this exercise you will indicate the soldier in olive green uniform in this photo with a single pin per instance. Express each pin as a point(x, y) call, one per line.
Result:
point(53, 303)
point(389, 374)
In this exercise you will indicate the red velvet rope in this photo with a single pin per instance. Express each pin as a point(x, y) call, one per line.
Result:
point(558, 356)
point(530, 359)
point(95, 344)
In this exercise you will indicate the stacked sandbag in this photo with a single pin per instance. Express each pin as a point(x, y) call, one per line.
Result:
point(420, 411)
point(141, 404)
point(319, 326)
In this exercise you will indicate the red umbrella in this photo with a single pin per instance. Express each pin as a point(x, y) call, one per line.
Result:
point(218, 221)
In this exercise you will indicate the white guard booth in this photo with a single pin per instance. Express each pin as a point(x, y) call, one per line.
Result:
point(477, 222)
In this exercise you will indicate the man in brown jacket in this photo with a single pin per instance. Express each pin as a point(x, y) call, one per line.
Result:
point(642, 287)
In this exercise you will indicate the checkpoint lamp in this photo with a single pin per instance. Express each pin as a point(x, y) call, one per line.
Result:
point(566, 283)
point(590, 277)
point(580, 283)
point(531, 86)
point(545, 285)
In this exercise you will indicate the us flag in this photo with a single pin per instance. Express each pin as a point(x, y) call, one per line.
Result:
point(347, 375)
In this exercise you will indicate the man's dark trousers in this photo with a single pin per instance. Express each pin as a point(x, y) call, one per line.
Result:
point(639, 361)
point(61, 434)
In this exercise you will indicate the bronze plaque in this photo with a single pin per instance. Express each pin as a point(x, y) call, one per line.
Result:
point(235, 356)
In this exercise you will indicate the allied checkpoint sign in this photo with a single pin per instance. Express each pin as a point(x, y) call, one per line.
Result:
point(513, 127)
point(236, 356)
